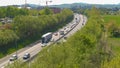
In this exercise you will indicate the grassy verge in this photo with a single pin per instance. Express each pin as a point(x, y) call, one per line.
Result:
point(0, 23)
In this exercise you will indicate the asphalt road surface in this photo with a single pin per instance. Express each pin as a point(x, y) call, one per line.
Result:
point(35, 48)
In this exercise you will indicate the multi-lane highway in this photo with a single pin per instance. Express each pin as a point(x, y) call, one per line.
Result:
point(77, 23)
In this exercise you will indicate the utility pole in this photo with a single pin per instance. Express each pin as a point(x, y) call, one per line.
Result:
point(15, 39)
point(25, 4)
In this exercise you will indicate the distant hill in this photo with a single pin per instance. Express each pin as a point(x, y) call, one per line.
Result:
point(69, 5)
point(85, 5)
point(74, 5)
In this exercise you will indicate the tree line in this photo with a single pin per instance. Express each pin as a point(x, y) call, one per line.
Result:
point(12, 12)
point(29, 26)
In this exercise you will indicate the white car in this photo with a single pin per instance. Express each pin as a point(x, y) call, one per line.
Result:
point(13, 57)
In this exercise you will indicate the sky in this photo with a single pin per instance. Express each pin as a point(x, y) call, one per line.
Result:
point(56, 2)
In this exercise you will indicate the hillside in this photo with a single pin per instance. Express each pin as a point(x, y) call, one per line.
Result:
point(85, 5)
point(77, 5)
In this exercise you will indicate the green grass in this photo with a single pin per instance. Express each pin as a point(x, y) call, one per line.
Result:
point(0, 23)
point(114, 18)
point(115, 42)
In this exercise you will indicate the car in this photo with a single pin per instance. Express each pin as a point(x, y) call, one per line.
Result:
point(65, 37)
point(82, 23)
point(26, 56)
point(64, 28)
point(68, 27)
point(67, 30)
point(13, 57)
point(61, 32)
point(56, 34)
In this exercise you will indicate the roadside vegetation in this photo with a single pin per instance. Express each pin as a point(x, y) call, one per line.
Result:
point(113, 24)
point(85, 49)
point(28, 26)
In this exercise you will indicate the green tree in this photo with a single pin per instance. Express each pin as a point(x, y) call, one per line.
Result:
point(2, 12)
point(7, 36)
point(46, 11)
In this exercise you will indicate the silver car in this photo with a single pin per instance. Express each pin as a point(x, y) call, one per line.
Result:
point(13, 57)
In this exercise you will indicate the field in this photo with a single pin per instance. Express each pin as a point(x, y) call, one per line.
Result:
point(115, 42)
point(114, 18)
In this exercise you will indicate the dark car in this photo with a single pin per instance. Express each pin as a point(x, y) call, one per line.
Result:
point(26, 56)
point(82, 23)
point(13, 57)
point(61, 32)
point(56, 34)
point(65, 37)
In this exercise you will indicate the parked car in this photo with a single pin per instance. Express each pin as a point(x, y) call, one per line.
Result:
point(26, 56)
point(13, 57)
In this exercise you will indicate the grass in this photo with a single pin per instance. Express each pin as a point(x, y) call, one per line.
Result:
point(0, 23)
point(115, 42)
point(114, 18)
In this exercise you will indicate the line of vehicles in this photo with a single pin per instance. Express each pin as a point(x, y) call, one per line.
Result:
point(45, 39)
point(48, 36)
point(15, 57)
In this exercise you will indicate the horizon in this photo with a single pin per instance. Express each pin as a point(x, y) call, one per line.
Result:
point(56, 2)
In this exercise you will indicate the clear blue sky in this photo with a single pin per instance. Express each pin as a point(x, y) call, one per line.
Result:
point(55, 2)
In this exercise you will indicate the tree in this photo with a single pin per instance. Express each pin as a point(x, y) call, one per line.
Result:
point(46, 11)
point(7, 36)
point(2, 12)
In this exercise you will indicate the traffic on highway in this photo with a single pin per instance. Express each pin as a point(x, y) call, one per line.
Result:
point(49, 38)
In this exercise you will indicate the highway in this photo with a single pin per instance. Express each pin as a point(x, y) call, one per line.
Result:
point(36, 47)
